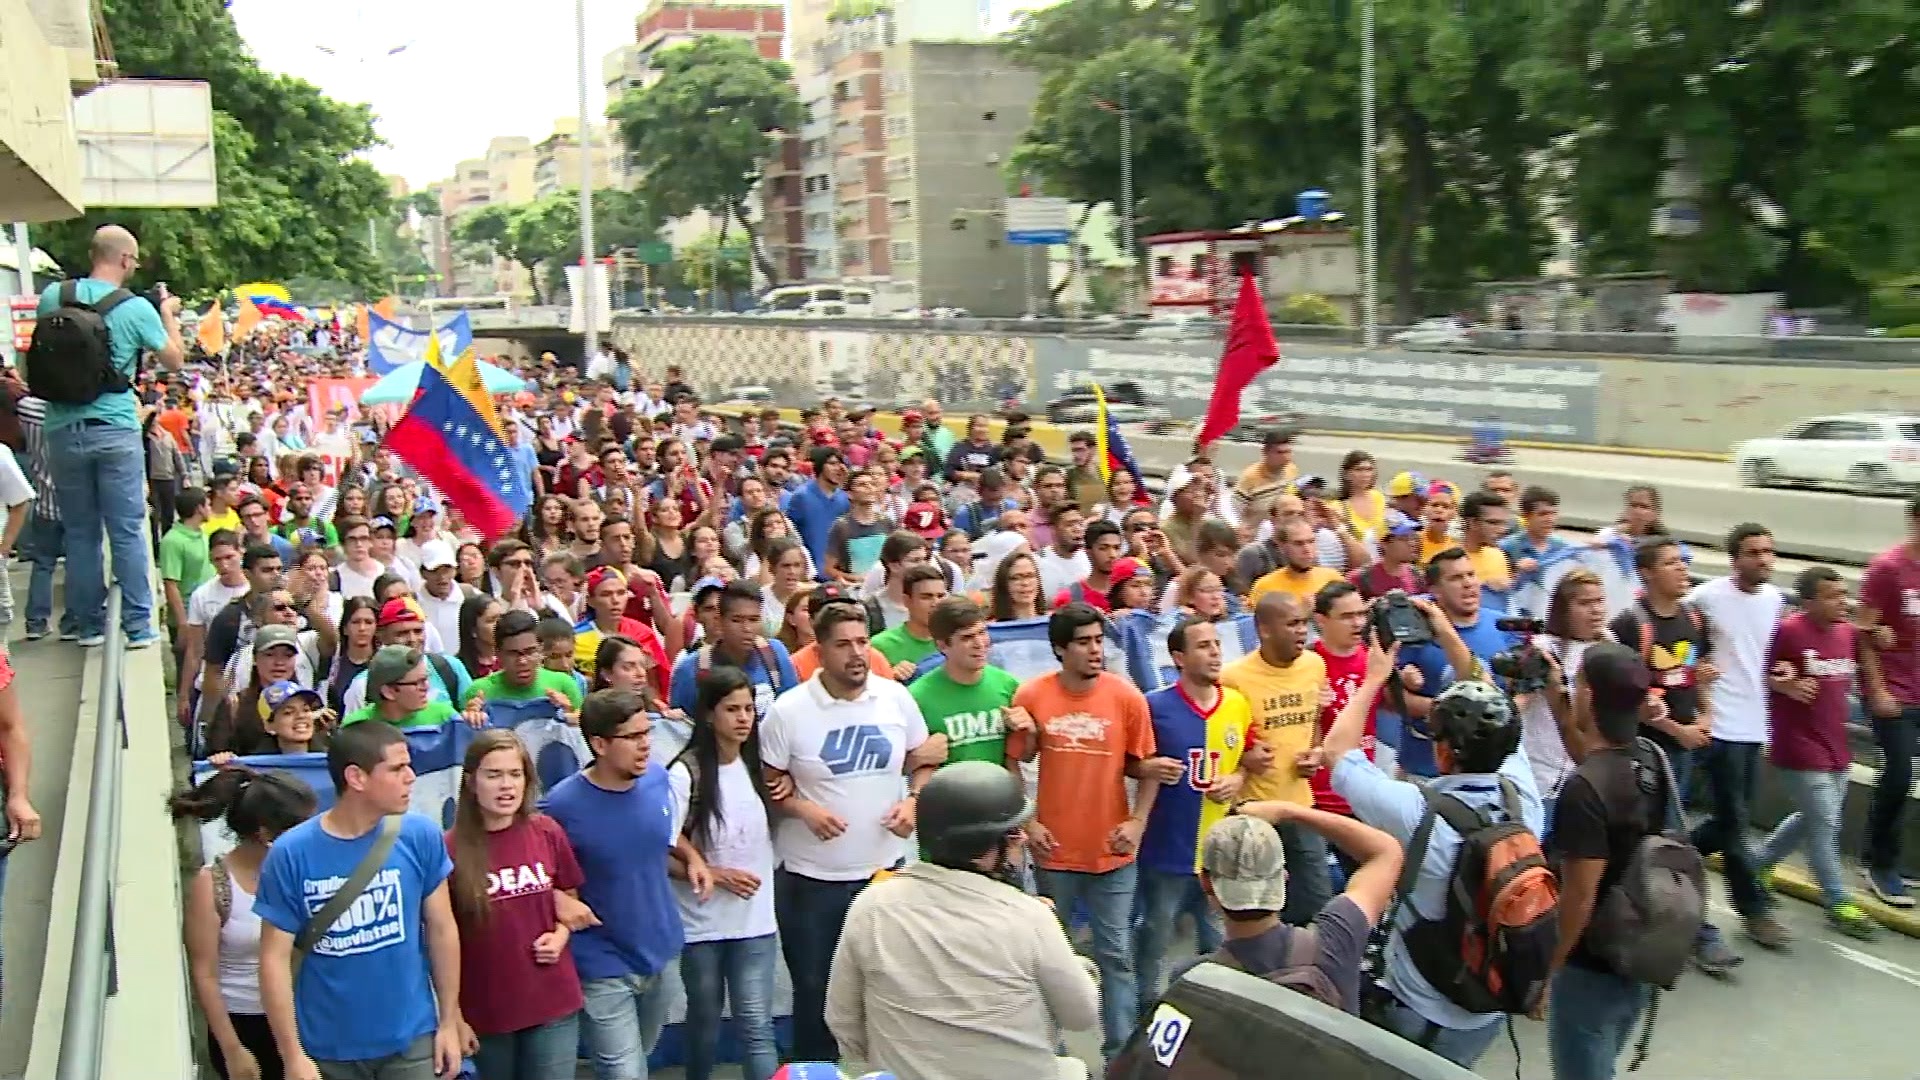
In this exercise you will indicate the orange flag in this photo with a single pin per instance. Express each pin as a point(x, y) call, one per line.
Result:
point(387, 306)
point(249, 319)
point(213, 330)
point(362, 325)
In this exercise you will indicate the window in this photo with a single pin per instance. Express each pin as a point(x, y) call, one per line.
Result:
point(1163, 266)
point(818, 184)
point(816, 147)
point(1199, 269)
point(901, 251)
point(901, 210)
point(899, 168)
point(853, 253)
point(896, 127)
point(896, 84)
point(840, 90)
point(819, 221)
point(846, 131)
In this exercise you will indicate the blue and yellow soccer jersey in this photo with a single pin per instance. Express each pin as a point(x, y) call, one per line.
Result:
point(1209, 744)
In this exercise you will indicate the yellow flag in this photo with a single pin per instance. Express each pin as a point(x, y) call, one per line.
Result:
point(466, 378)
point(248, 321)
point(213, 330)
point(434, 356)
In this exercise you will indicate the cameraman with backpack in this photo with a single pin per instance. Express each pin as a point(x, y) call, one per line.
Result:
point(1448, 976)
point(83, 360)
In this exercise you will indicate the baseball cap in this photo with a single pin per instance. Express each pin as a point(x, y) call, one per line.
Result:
point(911, 415)
point(435, 554)
point(278, 694)
point(1407, 483)
point(1617, 676)
point(704, 586)
point(1437, 488)
point(823, 595)
point(400, 609)
point(1124, 569)
point(425, 504)
point(1245, 864)
point(728, 444)
point(1399, 524)
point(924, 519)
point(911, 452)
point(382, 522)
point(1311, 480)
point(273, 635)
point(390, 664)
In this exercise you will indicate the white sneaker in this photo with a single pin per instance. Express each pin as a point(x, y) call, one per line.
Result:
point(93, 641)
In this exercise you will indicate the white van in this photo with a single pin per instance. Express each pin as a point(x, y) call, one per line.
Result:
point(818, 302)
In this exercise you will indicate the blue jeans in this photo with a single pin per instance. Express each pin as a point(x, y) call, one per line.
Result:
point(1590, 1020)
point(1108, 901)
point(1309, 886)
point(621, 1023)
point(549, 1051)
point(740, 972)
point(1895, 736)
point(813, 911)
point(1819, 796)
point(42, 543)
point(1683, 762)
point(1164, 898)
point(1463, 1048)
point(100, 471)
point(1731, 770)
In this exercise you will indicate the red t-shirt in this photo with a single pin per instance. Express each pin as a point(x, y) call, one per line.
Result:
point(1345, 674)
point(1812, 735)
point(502, 989)
point(1088, 595)
point(1892, 588)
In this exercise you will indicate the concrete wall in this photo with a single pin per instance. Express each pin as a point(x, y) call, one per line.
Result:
point(1649, 403)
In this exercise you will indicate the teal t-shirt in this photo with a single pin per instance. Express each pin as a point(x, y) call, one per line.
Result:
point(973, 718)
point(134, 327)
point(897, 644)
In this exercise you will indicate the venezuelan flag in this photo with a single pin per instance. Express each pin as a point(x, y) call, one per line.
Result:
point(451, 435)
point(1110, 449)
point(278, 309)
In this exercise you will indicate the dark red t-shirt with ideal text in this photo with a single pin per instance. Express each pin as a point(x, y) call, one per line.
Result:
point(502, 988)
point(1811, 736)
point(1891, 588)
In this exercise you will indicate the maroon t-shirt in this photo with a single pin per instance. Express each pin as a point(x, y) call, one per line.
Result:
point(502, 989)
point(1811, 736)
point(1892, 588)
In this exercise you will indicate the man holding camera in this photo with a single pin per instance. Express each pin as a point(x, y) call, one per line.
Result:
point(1455, 588)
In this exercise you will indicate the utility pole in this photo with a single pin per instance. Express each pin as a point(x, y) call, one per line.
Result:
point(589, 333)
point(1369, 187)
point(1126, 191)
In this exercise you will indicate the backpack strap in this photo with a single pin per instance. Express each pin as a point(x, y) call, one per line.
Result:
point(444, 668)
point(1303, 946)
point(222, 888)
point(70, 293)
point(773, 667)
point(105, 305)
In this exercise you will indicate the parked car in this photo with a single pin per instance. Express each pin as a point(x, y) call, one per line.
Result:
point(1874, 453)
point(1126, 404)
point(1446, 333)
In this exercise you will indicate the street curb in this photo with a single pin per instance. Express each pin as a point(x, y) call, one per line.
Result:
point(1790, 881)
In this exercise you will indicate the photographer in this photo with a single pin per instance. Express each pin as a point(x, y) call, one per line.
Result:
point(1455, 588)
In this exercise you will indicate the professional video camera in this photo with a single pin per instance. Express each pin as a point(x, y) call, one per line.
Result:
point(1525, 667)
point(1397, 622)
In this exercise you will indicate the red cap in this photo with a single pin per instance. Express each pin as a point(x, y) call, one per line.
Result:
point(400, 609)
point(925, 519)
point(911, 414)
point(1124, 569)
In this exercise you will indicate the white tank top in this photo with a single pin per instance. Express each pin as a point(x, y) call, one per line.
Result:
point(240, 955)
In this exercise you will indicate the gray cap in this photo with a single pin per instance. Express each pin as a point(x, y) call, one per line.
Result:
point(390, 664)
point(272, 634)
point(1246, 864)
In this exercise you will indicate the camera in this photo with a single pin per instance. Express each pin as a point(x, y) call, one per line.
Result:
point(1397, 622)
point(1522, 625)
point(1526, 669)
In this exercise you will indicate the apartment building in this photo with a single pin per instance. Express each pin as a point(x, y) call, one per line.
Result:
point(557, 163)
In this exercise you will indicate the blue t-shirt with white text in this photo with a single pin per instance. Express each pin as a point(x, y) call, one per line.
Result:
point(365, 991)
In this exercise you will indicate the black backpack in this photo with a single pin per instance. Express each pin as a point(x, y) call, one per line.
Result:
point(71, 358)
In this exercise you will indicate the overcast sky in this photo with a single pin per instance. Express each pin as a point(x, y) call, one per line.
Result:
point(467, 70)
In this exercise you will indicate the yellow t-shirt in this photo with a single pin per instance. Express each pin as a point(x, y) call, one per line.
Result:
point(229, 520)
point(1366, 513)
point(1301, 587)
point(1285, 706)
point(1491, 567)
point(1429, 547)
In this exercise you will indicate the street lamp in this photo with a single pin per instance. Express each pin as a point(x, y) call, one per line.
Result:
point(1369, 188)
point(590, 334)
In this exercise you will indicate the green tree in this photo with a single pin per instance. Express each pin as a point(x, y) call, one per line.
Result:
point(1276, 105)
point(1794, 123)
point(545, 234)
point(704, 132)
point(294, 197)
point(707, 263)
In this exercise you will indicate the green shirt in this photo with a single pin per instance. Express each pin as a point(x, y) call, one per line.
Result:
point(435, 714)
point(183, 558)
point(897, 644)
point(288, 530)
point(973, 718)
point(495, 687)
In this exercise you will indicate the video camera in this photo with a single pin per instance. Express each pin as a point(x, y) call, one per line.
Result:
point(1525, 667)
point(1397, 622)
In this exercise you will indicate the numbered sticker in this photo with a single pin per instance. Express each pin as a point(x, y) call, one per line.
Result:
point(1167, 1031)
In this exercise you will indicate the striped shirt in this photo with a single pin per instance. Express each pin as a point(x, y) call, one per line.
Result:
point(33, 418)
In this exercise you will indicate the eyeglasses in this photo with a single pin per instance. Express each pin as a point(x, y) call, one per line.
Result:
point(282, 605)
point(421, 681)
point(628, 736)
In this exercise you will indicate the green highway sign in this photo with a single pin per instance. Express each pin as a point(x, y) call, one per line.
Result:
point(654, 252)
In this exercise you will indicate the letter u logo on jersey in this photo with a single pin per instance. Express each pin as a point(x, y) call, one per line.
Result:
point(1203, 768)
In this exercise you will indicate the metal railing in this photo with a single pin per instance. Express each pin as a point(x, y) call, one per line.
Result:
point(94, 975)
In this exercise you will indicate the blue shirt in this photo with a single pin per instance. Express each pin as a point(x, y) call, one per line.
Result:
point(621, 839)
point(686, 677)
point(1518, 545)
point(813, 512)
point(132, 328)
point(365, 991)
point(1396, 807)
point(1483, 640)
point(525, 462)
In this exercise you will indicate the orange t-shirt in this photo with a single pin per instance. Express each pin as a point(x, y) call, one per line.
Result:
point(177, 422)
point(807, 661)
point(1085, 741)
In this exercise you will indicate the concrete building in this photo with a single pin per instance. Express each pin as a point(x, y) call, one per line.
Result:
point(47, 56)
point(557, 165)
point(820, 251)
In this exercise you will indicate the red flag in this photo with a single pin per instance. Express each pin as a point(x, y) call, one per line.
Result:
point(1250, 350)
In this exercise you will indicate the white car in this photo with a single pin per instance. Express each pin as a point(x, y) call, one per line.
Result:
point(1878, 453)
point(1436, 334)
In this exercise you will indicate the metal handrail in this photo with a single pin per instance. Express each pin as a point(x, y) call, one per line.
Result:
point(92, 978)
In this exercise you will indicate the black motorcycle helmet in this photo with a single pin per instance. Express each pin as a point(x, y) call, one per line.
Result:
point(966, 810)
point(1477, 722)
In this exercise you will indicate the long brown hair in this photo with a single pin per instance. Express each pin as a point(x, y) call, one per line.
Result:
point(1559, 608)
point(471, 860)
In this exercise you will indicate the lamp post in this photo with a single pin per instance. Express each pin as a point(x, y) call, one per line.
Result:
point(1126, 190)
point(589, 333)
point(1369, 188)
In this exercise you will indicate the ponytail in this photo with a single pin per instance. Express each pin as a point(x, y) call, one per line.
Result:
point(250, 802)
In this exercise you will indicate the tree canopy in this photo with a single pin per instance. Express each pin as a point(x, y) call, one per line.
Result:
point(295, 200)
point(704, 132)
point(546, 232)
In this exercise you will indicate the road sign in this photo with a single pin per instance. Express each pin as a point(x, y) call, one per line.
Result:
point(1039, 220)
point(654, 252)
